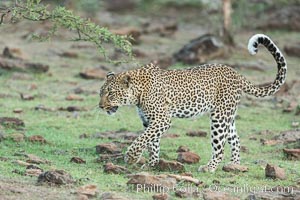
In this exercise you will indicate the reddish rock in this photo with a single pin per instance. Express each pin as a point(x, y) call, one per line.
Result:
point(110, 168)
point(11, 122)
point(275, 172)
point(56, 177)
point(208, 194)
point(292, 154)
point(165, 165)
point(270, 142)
point(160, 196)
point(26, 97)
point(156, 183)
point(171, 135)
point(73, 97)
point(235, 168)
point(188, 157)
point(95, 73)
point(183, 149)
point(77, 160)
point(33, 172)
point(88, 190)
point(18, 110)
point(38, 139)
point(69, 54)
point(196, 133)
point(109, 148)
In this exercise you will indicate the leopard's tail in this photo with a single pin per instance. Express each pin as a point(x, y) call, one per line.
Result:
point(262, 91)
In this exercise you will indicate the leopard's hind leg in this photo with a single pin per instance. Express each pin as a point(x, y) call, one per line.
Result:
point(234, 141)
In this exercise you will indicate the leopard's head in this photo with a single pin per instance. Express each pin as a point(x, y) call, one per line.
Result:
point(115, 92)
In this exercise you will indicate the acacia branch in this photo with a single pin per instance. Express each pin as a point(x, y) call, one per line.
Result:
point(60, 17)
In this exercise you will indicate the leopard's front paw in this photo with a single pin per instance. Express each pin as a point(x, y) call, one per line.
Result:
point(132, 157)
point(206, 168)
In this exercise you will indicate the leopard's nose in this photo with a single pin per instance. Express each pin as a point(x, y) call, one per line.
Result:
point(101, 106)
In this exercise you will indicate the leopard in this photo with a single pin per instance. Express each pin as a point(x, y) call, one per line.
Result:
point(161, 94)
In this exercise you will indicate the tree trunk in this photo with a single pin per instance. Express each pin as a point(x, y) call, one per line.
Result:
point(227, 37)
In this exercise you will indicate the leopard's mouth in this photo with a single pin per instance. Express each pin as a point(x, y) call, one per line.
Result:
point(112, 110)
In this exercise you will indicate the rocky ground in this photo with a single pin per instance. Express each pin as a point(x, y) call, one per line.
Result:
point(55, 145)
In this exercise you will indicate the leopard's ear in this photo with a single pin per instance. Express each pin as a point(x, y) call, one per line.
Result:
point(110, 75)
point(126, 79)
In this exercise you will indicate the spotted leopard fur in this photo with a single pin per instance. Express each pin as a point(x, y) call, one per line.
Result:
point(162, 94)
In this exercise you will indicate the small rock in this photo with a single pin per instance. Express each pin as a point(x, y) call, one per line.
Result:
point(13, 53)
point(21, 163)
point(129, 31)
point(163, 62)
point(35, 159)
point(88, 190)
point(95, 73)
point(26, 97)
point(188, 157)
point(84, 135)
point(37, 139)
point(33, 172)
point(77, 160)
point(235, 168)
point(32, 86)
point(183, 149)
point(112, 196)
point(73, 97)
point(273, 171)
point(292, 50)
point(288, 136)
point(270, 142)
point(69, 54)
point(110, 158)
point(295, 124)
point(208, 194)
point(187, 193)
point(4, 159)
point(11, 122)
point(292, 154)
point(18, 110)
point(196, 133)
point(42, 107)
point(244, 149)
point(110, 168)
point(201, 50)
point(171, 135)
point(160, 196)
point(72, 109)
point(156, 183)
point(30, 166)
point(56, 177)
point(109, 148)
point(165, 165)
point(16, 137)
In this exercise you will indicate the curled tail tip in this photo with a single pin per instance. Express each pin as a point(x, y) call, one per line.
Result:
point(253, 43)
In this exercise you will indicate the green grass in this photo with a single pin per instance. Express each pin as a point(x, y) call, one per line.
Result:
point(62, 132)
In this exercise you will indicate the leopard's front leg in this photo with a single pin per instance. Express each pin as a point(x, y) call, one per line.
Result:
point(149, 139)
